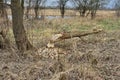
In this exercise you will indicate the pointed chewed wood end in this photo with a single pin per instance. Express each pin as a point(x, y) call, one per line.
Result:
point(54, 38)
point(50, 45)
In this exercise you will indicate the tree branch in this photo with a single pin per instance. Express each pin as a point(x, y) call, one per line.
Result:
point(6, 4)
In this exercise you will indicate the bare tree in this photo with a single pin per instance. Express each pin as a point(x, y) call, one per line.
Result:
point(86, 7)
point(36, 4)
point(36, 8)
point(93, 7)
point(20, 35)
point(117, 8)
point(81, 6)
point(39, 4)
point(28, 8)
point(62, 4)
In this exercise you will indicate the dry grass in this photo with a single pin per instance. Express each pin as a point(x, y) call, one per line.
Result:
point(40, 31)
point(94, 57)
point(56, 12)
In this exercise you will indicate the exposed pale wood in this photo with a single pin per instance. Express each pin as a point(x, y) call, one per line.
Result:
point(69, 35)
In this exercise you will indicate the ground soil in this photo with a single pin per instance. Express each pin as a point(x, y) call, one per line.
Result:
point(95, 57)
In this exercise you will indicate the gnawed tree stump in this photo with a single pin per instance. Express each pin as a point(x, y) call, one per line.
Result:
point(1, 42)
point(69, 35)
point(4, 41)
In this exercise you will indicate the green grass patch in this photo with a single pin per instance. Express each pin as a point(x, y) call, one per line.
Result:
point(109, 24)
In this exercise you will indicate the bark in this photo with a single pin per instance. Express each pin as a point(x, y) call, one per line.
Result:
point(83, 11)
point(28, 9)
point(3, 12)
point(62, 10)
point(36, 12)
point(20, 35)
point(118, 13)
point(4, 41)
point(94, 10)
point(36, 9)
point(69, 35)
point(27, 12)
point(62, 4)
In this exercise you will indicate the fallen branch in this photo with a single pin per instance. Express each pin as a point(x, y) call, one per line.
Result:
point(69, 35)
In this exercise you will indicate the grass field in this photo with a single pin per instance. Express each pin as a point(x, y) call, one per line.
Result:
point(48, 27)
point(94, 57)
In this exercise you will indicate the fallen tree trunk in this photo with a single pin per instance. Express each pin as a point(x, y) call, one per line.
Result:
point(69, 35)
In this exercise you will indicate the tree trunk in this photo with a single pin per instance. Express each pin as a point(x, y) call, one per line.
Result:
point(36, 9)
point(3, 12)
point(4, 41)
point(28, 9)
point(118, 13)
point(36, 12)
point(83, 11)
point(20, 36)
point(27, 12)
point(62, 9)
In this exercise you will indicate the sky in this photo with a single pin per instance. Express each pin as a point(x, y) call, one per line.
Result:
point(54, 3)
point(51, 2)
point(110, 3)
